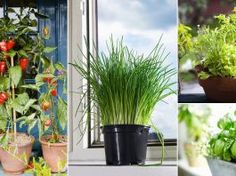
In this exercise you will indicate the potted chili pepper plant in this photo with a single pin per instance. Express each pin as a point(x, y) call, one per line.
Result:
point(15, 103)
point(52, 111)
point(126, 87)
point(22, 55)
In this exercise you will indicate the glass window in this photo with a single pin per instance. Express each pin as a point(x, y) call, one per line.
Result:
point(141, 23)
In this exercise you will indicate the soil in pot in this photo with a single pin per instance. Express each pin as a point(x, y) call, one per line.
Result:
point(125, 144)
point(55, 154)
point(15, 156)
point(193, 154)
point(219, 89)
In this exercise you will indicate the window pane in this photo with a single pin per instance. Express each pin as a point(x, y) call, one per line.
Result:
point(141, 23)
point(18, 5)
point(1, 9)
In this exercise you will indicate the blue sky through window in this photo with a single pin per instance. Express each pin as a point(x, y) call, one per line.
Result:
point(141, 23)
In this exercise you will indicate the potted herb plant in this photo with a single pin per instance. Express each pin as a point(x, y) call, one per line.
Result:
point(23, 54)
point(53, 116)
point(222, 147)
point(215, 53)
point(196, 124)
point(126, 87)
point(15, 148)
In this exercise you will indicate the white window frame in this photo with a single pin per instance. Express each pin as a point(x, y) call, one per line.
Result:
point(79, 153)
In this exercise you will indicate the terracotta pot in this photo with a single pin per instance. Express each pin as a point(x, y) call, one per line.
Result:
point(219, 89)
point(54, 153)
point(15, 159)
point(193, 154)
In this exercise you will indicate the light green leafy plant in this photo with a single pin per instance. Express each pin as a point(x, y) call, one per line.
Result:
point(184, 40)
point(215, 49)
point(222, 145)
point(39, 168)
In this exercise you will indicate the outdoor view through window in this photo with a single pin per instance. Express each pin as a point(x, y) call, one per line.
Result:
point(145, 26)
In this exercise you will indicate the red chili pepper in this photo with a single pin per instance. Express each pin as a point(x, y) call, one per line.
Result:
point(3, 97)
point(47, 79)
point(30, 165)
point(10, 44)
point(3, 67)
point(24, 62)
point(53, 83)
point(54, 92)
point(2, 101)
point(3, 45)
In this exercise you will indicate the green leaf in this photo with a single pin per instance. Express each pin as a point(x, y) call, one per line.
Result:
point(3, 123)
point(21, 118)
point(28, 105)
point(12, 53)
point(31, 126)
point(62, 112)
point(15, 74)
point(49, 49)
point(203, 75)
point(4, 83)
point(36, 107)
point(19, 103)
point(59, 66)
point(23, 53)
point(40, 15)
point(4, 140)
point(32, 86)
point(46, 61)
point(11, 10)
point(24, 31)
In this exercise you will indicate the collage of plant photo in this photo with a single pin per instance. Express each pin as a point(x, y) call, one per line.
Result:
point(111, 88)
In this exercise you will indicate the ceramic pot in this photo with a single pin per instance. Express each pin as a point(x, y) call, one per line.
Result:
point(54, 153)
point(193, 154)
point(219, 89)
point(15, 158)
point(220, 167)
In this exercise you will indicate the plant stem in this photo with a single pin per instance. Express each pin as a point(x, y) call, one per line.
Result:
point(54, 125)
point(13, 97)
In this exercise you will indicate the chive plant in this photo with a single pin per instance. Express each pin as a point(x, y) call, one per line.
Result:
point(127, 86)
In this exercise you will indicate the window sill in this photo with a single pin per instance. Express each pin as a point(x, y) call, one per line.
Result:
point(169, 168)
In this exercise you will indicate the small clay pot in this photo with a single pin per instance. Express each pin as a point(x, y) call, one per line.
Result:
point(16, 157)
point(194, 156)
point(53, 153)
point(219, 89)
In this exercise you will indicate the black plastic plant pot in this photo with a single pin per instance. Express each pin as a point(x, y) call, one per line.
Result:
point(125, 144)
